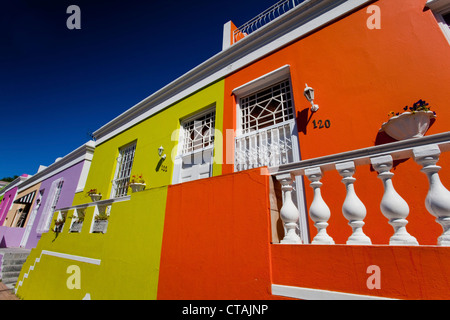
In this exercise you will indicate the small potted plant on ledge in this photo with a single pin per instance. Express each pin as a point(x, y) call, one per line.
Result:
point(137, 183)
point(77, 223)
point(59, 224)
point(100, 223)
point(412, 123)
point(95, 196)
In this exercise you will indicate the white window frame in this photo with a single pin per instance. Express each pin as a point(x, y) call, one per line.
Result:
point(50, 206)
point(439, 9)
point(123, 172)
point(262, 83)
point(196, 153)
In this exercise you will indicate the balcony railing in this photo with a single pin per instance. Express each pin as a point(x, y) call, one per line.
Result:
point(270, 14)
point(101, 208)
point(425, 151)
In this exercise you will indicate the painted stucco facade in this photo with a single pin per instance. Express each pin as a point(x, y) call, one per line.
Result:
point(219, 237)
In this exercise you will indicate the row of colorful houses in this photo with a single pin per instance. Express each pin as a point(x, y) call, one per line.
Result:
point(270, 170)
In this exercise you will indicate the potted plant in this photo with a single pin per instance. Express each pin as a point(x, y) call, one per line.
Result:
point(77, 223)
point(95, 196)
point(412, 123)
point(100, 223)
point(136, 183)
point(59, 224)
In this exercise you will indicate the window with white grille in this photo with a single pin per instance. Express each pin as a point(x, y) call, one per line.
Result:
point(266, 107)
point(267, 128)
point(123, 170)
point(198, 133)
point(195, 155)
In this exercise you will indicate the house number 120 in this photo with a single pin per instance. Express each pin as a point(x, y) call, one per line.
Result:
point(320, 125)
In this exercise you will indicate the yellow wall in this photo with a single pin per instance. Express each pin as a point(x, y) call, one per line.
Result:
point(150, 134)
point(130, 250)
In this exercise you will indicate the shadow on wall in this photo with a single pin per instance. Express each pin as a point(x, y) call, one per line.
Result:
point(3, 243)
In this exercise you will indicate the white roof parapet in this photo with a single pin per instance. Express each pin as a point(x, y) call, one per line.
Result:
point(305, 18)
point(14, 183)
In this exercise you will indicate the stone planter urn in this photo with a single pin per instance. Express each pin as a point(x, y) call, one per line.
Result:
point(99, 226)
point(408, 125)
point(136, 187)
point(95, 197)
point(76, 226)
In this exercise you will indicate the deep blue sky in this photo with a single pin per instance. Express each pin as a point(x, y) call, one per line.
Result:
point(57, 85)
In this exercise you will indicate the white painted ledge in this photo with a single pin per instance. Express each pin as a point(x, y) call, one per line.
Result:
point(317, 294)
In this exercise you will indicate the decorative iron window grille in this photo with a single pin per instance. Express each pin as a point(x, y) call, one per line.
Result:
point(123, 171)
point(267, 124)
point(267, 107)
point(198, 133)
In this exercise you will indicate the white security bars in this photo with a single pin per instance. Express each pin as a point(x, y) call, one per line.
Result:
point(123, 171)
point(197, 145)
point(267, 123)
point(425, 151)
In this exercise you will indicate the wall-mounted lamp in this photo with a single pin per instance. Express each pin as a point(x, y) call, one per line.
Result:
point(309, 94)
point(160, 152)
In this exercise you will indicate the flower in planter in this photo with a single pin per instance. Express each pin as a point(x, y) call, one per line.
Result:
point(420, 105)
point(93, 191)
point(58, 225)
point(101, 216)
point(137, 179)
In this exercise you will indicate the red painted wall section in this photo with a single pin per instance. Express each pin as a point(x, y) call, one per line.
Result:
point(359, 76)
point(404, 272)
point(216, 239)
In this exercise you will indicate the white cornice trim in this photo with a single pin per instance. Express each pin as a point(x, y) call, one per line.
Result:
point(300, 21)
point(14, 183)
point(85, 152)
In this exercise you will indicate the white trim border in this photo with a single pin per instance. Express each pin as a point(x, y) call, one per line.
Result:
point(71, 257)
point(317, 294)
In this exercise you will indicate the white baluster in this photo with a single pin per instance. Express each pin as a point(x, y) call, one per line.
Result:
point(289, 213)
point(318, 211)
point(437, 200)
point(353, 208)
point(392, 205)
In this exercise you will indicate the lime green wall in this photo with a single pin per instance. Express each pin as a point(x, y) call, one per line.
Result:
point(129, 252)
point(150, 134)
point(130, 249)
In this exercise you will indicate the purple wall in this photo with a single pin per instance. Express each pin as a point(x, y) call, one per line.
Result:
point(71, 176)
point(10, 237)
point(6, 203)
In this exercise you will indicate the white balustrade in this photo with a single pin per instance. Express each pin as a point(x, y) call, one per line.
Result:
point(425, 151)
point(437, 200)
point(319, 211)
point(353, 209)
point(289, 213)
point(392, 205)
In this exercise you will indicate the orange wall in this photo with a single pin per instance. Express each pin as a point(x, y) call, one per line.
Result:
point(359, 75)
point(404, 272)
point(216, 239)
